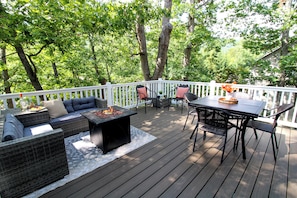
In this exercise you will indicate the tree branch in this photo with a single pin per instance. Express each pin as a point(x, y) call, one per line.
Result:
point(140, 53)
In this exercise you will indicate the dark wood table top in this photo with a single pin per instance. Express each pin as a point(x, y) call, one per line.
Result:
point(246, 107)
point(93, 117)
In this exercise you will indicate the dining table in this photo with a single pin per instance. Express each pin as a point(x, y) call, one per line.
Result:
point(246, 108)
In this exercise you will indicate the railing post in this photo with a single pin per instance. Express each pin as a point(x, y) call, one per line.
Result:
point(212, 87)
point(109, 94)
point(160, 86)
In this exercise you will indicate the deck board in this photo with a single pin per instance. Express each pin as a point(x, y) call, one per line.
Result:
point(167, 166)
point(292, 173)
point(280, 176)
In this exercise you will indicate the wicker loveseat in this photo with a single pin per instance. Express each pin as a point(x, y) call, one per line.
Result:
point(32, 162)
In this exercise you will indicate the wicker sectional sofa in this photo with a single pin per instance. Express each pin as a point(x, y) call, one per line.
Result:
point(34, 161)
point(31, 162)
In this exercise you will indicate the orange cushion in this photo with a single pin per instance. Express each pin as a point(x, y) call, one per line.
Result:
point(180, 93)
point(142, 93)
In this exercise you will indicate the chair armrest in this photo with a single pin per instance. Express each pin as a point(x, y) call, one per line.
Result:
point(269, 110)
point(33, 118)
point(101, 103)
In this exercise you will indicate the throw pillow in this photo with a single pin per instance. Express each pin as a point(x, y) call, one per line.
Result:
point(55, 108)
point(180, 93)
point(142, 93)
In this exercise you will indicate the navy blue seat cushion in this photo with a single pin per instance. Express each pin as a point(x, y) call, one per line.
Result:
point(70, 117)
point(83, 103)
point(68, 105)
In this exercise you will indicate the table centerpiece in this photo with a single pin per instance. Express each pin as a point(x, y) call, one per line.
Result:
point(228, 99)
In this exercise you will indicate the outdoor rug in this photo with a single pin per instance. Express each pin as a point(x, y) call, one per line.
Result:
point(83, 156)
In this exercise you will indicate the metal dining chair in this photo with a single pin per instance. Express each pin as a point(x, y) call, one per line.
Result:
point(270, 127)
point(142, 94)
point(181, 90)
point(191, 109)
point(217, 123)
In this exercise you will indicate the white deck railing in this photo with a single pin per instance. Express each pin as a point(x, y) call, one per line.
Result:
point(124, 95)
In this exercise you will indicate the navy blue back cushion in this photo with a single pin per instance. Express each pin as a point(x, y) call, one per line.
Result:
point(13, 128)
point(68, 105)
point(83, 103)
point(10, 132)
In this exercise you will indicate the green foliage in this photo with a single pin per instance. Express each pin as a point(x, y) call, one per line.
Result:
point(264, 27)
point(61, 33)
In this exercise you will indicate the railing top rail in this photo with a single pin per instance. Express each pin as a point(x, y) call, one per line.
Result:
point(42, 92)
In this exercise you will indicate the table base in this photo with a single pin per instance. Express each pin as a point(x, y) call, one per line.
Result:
point(110, 135)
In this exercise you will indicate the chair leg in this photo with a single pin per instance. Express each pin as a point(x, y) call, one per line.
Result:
point(186, 121)
point(145, 106)
point(193, 119)
point(196, 128)
point(274, 150)
point(255, 132)
point(225, 141)
point(275, 140)
point(204, 135)
point(195, 138)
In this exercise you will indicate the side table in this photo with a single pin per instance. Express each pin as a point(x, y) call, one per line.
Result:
point(161, 102)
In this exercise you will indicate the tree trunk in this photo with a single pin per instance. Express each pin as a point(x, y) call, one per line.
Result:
point(31, 74)
point(286, 6)
point(6, 77)
point(188, 49)
point(140, 32)
point(56, 73)
point(94, 56)
point(163, 42)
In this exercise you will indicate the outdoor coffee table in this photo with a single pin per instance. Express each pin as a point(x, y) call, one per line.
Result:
point(109, 130)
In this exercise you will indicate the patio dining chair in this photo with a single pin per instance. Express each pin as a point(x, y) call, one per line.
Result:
point(270, 127)
point(191, 109)
point(217, 123)
point(143, 95)
point(181, 90)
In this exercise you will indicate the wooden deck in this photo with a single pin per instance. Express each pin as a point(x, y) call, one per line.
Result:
point(167, 167)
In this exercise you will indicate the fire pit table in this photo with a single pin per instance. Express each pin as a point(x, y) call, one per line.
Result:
point(109, 127)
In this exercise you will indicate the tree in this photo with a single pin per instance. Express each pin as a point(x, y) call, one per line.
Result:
point(201, 16)
point(265, 27)
point(32, 27)
point(164, 39)
point(5, 75)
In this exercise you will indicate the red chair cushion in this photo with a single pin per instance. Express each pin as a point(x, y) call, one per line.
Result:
point(180, 92)
point(142, 93)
